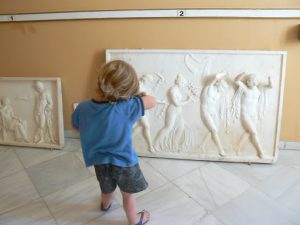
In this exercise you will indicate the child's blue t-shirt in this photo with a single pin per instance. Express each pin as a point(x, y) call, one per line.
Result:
point(106, 130)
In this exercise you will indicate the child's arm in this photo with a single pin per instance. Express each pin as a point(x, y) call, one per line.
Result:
point(148, 101)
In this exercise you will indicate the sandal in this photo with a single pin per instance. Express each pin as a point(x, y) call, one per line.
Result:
point(105, 209)
point(142, 222)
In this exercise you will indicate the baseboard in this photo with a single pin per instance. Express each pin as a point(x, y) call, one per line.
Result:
point(71, 134)
point(289, 145)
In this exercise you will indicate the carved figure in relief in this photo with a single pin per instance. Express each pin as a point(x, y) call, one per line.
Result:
point(210, 110)
point(249, 103)
point(146, 81)
point(172, 136)
point(43, 115)
point(11, 123)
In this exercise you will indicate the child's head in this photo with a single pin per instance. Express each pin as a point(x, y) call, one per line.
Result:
point(117, 80)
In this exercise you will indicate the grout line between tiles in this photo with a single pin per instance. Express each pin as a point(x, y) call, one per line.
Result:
point(42, 161)
point(207, 187)
point(42, 199)
point(286, 191)
point(206, 211)
point(15, 171)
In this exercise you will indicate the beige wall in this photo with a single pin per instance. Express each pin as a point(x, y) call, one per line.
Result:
point(73, 50)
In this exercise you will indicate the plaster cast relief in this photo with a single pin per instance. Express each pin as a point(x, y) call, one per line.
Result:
point(211, 105)
point(175, 134)
point(210, 110)
point(249, 103)
point(9, 122)
point(147, 83)
point(43, 115)
point(31, 112)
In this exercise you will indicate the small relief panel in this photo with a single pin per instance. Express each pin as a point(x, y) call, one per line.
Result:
point(31, 112)
point(211, 105)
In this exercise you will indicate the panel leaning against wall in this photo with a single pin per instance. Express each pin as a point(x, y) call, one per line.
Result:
point(212, 105)
point(31, 112)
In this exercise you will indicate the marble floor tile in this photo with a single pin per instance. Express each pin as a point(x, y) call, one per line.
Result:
point(169, 205)
point(113, 217)
point(291, 198)
point(181, 192)
point(280, 182)
point(153, 177)
point(33, 156)
point(4, 147)
point(80, 156)
point(255, 208)
point(222, 185)
point(297, 167)
point(211, 186)
point(9, 163)
point(174, 168)
point(35, 213)
point(77, 204)
point(57, 173)
point(209, 220)
point(193, 184)
point(288, 157)
point(72, 145)
point(251, 173)
point(16, 190)
point(166, 204)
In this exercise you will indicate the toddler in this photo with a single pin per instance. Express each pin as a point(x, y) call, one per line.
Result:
point(105, 126)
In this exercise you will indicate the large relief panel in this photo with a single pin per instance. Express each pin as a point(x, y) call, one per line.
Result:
point(31, 112)
point(212, 105)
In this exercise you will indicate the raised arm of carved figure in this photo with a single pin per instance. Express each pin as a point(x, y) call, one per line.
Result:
point(268, 85)
point(240, 83)
point(176, 97)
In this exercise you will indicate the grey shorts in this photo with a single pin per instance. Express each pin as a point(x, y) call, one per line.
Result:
point(128, 179)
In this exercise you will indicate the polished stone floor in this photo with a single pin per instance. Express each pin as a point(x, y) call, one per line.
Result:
point(53, 187)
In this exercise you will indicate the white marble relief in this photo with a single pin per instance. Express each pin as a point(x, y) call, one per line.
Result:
point(174, 134)
point(250, 103)
point(9, 122)
point(213, 105)
point(31, 112)
point(210, 113)
point(43, 115)
point(147, 83)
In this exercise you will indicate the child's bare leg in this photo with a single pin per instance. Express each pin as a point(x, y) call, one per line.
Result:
point(129, 205)
point(106, 199)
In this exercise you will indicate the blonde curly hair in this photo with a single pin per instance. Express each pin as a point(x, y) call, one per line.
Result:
point(117, 80)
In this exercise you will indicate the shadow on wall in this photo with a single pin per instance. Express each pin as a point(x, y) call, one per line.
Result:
point(293, 34)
